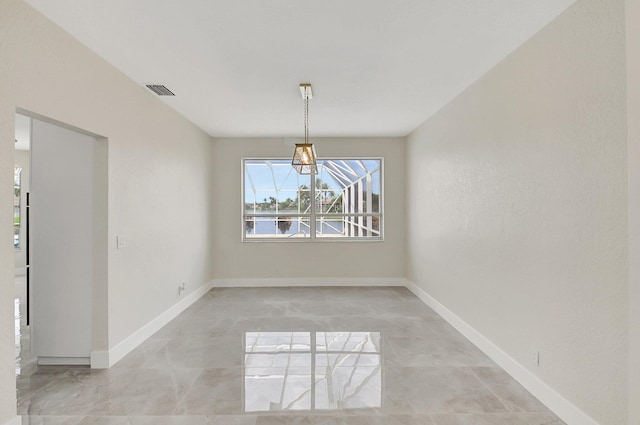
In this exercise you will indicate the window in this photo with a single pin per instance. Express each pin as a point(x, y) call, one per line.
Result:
point(342, 202)
point(17, 211)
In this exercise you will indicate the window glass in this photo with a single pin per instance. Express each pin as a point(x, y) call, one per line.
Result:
point(17, 208)
point(343, 201)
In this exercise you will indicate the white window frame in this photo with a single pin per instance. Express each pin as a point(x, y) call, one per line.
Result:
point(313, 214)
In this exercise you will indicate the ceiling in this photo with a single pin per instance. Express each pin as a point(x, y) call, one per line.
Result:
point(378, 68)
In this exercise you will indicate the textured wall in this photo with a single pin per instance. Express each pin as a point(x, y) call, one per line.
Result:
point(158, 175)
point(518, 207)
point(235, 259)
point(633, 113)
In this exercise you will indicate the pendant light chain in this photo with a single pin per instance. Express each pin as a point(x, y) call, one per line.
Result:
point(306, 117)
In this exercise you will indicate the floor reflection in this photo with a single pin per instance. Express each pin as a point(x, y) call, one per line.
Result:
point(293, 371)
point(25, 362)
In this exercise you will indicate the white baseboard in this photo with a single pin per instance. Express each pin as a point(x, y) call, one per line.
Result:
point(313, 281)
point(99, 360)
point(15, 421)
point(559, 405)
point(64, 361)
point(104, 359)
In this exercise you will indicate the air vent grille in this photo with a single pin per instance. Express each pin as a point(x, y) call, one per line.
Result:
point(160, 90)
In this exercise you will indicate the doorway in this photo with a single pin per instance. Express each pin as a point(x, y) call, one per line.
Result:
point(25, 361)
point(62, 241)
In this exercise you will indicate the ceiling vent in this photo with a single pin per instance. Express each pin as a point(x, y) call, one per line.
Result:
point(160, 90)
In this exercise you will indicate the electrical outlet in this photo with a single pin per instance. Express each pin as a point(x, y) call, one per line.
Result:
point(182, 287)
point(121, 242)
point(535, 358)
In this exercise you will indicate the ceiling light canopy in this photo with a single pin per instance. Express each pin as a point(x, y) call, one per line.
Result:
point(304, 156)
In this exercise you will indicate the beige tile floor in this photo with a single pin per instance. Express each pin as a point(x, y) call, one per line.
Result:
point(262, 356)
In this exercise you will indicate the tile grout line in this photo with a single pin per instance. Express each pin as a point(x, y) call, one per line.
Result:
point(490, 390)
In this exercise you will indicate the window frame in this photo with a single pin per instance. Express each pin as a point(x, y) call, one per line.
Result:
point(313, 238)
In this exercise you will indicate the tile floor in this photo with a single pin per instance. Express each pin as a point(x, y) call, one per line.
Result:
point(262, 356)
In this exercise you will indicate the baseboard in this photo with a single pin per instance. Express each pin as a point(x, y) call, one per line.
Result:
point(105, 359)
point(64, 361)
point(15, 421)
point(99, 360)
point(314, 281)
point(559, 405)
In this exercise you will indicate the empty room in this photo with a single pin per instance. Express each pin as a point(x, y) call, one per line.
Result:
point(350, 212)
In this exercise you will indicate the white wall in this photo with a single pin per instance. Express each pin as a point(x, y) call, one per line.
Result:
point(254, 260)
point(518, 207)
point(633, 114)
point(158, 167)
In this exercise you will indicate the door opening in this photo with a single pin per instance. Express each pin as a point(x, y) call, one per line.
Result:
point(61, 243)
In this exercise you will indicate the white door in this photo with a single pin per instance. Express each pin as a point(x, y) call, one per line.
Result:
point(61, 244)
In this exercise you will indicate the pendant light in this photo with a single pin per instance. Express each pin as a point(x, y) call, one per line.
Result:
point(304, 156)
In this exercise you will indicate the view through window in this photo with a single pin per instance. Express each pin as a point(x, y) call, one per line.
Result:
point(342, 201)
point(17, 208)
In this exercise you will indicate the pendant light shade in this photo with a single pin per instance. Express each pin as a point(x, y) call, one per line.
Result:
point(304, 156)
point(304, 159)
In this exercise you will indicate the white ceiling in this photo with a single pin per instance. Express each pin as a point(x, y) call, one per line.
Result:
point(378, 67)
